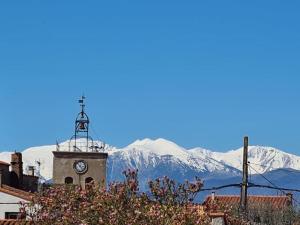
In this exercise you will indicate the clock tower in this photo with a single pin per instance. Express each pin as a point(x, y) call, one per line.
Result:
point(80, 160)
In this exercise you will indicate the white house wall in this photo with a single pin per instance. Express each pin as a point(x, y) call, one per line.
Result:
point(9, 203)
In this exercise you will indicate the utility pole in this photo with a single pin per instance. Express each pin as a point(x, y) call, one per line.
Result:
point(243, 203)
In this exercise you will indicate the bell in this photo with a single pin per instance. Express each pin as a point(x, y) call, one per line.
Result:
point(81, 126)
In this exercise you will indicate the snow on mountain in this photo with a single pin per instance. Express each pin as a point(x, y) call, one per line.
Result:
point(155, 158)
point(147, 152)
point(262, 159)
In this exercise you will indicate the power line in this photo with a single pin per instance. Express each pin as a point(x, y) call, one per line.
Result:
point(272, 187)
point(264, 177)
point(250, 186)
point(275, 187)
point(280, 189)
point(220, 187)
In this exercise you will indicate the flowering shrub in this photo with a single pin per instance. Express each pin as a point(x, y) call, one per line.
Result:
point(121, 203)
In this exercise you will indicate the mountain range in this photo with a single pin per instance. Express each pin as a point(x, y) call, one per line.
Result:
point(160, 157)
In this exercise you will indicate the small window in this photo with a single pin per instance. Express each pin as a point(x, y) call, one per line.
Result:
point(68, 180)
point(89, 180)
point(11, 215)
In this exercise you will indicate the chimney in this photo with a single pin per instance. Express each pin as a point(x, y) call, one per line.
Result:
point(31, 170)
point(290, 198)
point(213, 195)
point(1, 178)
point(17, 166)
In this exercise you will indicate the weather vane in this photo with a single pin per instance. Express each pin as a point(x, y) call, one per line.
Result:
point(81, 101)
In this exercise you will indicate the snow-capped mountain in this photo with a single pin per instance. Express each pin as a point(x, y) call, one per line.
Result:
point(156, 158)
point(261, 159)
point(148, 153)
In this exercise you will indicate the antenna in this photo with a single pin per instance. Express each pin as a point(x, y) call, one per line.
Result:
point(38, 162)
point(57, 146)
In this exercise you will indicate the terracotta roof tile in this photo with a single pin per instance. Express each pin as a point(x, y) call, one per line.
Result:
point(16, 192)
point(15, 222)
point(216, 214)
point(277, 201)
point(4, 163)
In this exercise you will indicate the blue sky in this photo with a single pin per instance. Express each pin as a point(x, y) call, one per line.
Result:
point(200, 73)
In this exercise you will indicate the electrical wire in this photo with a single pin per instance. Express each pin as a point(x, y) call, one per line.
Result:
point(264, 177)
point(250, 185)
point(220, 187)
point(272, 187)
point(275, 187)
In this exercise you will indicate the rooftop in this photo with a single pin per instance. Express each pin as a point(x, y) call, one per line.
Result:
point(4, 163)
point(275, 201)
point(15, 222)
point(16, 192)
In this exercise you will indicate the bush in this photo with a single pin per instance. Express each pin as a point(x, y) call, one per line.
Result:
point(121, 203)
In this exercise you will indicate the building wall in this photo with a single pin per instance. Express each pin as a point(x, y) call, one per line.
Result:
point(15, 178)
point(30, 183)
point(9, 203)
point(5, 174)
point(218, 221)
point(63, 163)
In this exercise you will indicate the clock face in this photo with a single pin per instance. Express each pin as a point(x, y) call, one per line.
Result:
point(80, 166)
